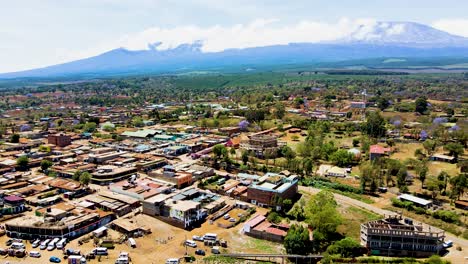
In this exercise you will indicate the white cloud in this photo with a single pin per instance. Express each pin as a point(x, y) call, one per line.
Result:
point(453, 26)
point(260, 32)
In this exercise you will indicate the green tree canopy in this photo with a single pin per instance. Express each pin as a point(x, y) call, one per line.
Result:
point(322, 215)
point(297, 241)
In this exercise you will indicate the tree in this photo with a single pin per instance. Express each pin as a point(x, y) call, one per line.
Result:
point(279, 110)
point(288, 153)
point(421, 105)
point(454, 149)
point(430, 146)
point(46, 164)
point(322, 215)
point(76, 175)
point(422, 173)
point(382, 103)
point(22, 162)
point(346, 248)
point(85, 178)
point(374, 125)
point(245, 157)
point(355, 142)
point(89, 127)
point(297, 241)
point(459, 185)
point(342, 158)
point(15, 138)
point(220, 151)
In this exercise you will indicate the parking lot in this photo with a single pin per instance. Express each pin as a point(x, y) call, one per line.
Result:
point(164, 242)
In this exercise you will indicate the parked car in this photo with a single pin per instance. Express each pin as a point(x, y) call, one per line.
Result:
point(226, 216)
point(197, 238)
point(448, 244)
point(54, 259)
point(215, 250)
point(200, 252)
point(34, 254)
point(172, 261)
point(36, 243)
point(9, 242)
point(191, 243)
point(232, 220)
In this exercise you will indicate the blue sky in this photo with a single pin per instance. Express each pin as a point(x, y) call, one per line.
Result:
point(39, 33)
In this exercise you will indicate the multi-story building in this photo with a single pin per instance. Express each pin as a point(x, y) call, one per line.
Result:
point(60, 140)
point(271, 189)
point(262, 145)
point(394, 236)
point(109, 173)
point(57, 223)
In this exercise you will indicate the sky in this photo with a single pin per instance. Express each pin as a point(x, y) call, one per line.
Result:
point(38, 33)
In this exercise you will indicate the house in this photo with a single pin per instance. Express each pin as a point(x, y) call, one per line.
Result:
point(358, 105)
point(331, 171)
point(443, 158)
point(377, 151)
point(259, 227)
point(461, 204)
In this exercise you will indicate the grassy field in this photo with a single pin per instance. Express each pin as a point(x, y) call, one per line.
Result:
point(352, 219)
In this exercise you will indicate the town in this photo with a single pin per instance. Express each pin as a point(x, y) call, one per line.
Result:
point(301, 174)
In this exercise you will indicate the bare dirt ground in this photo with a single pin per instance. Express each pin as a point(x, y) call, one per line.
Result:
point(164, 242)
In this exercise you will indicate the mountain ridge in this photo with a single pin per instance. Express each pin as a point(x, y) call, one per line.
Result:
point(381, 39)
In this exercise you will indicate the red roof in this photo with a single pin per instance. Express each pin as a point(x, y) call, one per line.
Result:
point(13, 198)
point(276, 231)
point(255, 221)
point(377, 149)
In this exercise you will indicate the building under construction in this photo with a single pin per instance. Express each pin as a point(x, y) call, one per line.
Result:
point(261, 145)
point(395, 236)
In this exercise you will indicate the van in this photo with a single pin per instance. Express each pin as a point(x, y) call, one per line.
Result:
point(172, 261)
point(61, 244)
point(191, 243)
point(34, 254)
point(210, 236)
point(100, 251)
point(132, 242)
point(44, 244)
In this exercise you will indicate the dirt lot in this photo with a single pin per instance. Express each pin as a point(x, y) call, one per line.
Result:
point(164, 242)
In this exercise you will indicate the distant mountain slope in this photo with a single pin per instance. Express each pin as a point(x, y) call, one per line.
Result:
point(383, 40)
point(403, 33)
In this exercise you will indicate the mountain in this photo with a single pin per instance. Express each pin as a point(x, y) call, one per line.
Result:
point(378, 40)
point(403, 33)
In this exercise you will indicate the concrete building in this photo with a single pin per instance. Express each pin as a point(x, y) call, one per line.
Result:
point(261, 145)
point(271, 189)
point(394, 236)
point(60, 140)
point(109, 173)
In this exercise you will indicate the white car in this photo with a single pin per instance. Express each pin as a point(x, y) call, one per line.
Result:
point(50, 247)
point(191, 243)
point(197, 238)
point(36, 243)
point(35, 254)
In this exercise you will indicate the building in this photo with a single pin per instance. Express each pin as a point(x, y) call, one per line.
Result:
point(66, 221)
point(59, 140)
point(443, 158)
point(394, 236)
point(185, 208)
point(259, 227)
point(272, 189)
point(331, 171)
point(140, 189)
point(169, 173)
point(415, 200)
point(358, 105)
point(377, 151)
point(261, 145)
point(110, 173)
point(12, 204)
